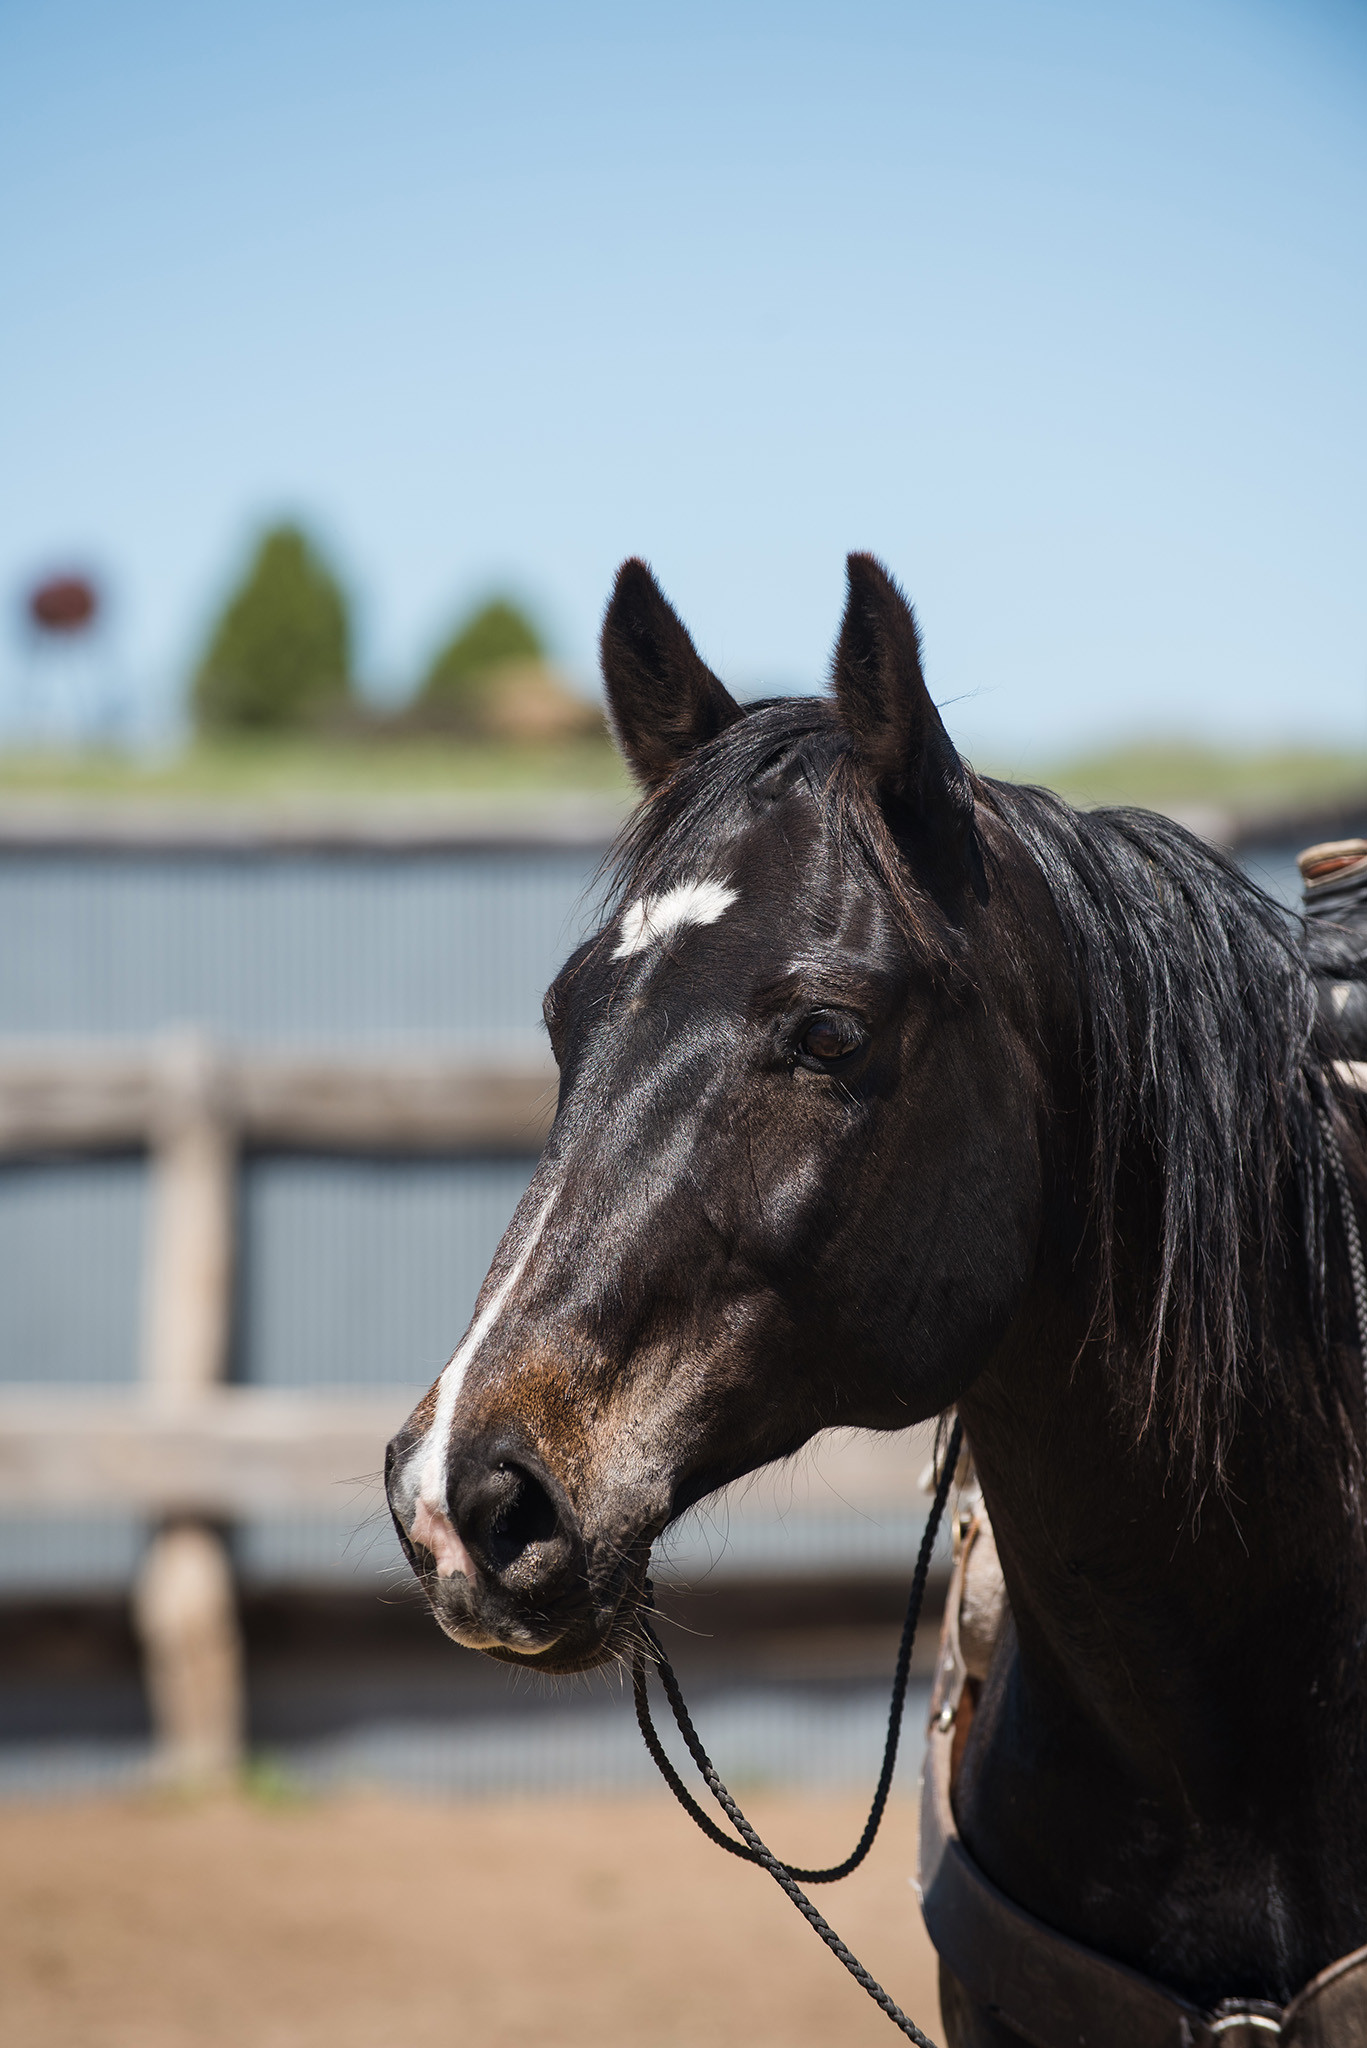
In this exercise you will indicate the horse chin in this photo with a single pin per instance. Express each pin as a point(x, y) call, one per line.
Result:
point(585, 1641)
point(466, 1631)
point(585, 1645)
point(559, 1656)
point(559, 1660)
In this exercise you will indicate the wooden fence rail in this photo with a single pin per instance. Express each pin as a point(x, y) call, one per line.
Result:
point(181, 1446)
point(230, 1453)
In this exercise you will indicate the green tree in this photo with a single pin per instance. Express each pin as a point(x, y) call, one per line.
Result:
point(497, 637)
point(281, 652)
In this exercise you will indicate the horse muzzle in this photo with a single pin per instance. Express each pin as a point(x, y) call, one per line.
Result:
point(505, 1563)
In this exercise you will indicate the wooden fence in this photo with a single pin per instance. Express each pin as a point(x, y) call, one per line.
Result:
point(191, 1453)
point(180, 1446)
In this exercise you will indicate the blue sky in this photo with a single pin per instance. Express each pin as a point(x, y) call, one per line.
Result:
point(1059, 307)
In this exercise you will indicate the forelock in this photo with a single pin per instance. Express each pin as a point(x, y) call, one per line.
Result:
point(709, 802)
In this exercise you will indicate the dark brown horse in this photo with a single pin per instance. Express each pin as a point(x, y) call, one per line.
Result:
point(886, 1087)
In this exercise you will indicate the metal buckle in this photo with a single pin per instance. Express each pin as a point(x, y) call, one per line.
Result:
point(1243, 2027)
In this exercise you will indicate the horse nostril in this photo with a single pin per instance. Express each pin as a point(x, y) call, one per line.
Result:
point(520, 1513)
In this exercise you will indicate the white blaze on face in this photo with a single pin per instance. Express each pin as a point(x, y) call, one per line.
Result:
point(654, 917)
point(429, 1460)
point(648, 919)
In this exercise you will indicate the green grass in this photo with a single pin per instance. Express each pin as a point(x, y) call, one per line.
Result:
point(268, 1782)
point(1158, 773)
point(284, 769)
point(1161, 773)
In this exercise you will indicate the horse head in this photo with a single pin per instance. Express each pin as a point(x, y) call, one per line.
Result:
point(796, 1174)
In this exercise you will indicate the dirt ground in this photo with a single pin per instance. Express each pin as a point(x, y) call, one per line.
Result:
point(369, 1921)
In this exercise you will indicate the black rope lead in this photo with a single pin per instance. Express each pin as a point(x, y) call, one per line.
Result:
point(750, 1847)
point(1347, 1206)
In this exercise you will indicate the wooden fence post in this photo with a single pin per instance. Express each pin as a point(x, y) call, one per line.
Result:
point(184, 1604)
point(185, 1447)
point(189, 1283)
point(185, 1612)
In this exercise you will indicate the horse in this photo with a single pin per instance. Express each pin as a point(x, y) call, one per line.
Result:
point(884, 1088)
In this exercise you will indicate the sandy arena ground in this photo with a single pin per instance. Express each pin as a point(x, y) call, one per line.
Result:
point(367, 1921)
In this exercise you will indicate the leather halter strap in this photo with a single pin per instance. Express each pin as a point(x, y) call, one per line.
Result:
point(1052, 1991)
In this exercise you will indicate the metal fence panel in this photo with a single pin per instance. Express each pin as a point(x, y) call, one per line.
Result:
point(294, 945)
point(71, 1268)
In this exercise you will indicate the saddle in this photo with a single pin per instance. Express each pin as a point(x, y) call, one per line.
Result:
point(1334, 881)
point(1052, 1991)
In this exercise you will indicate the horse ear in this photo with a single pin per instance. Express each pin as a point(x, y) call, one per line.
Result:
point(664, 700)
point(885, 705)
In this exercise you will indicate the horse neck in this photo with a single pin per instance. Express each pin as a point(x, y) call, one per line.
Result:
point(1096, 1520)
point(1124, 1551)
point(1184, 1696)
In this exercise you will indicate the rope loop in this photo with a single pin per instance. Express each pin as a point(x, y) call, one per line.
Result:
point(750, 1848)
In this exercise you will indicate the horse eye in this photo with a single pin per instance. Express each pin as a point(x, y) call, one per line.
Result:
point(829, 1036)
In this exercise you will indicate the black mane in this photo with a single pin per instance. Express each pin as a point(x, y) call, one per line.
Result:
point(1201, 1051)
point(1200, 1018)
